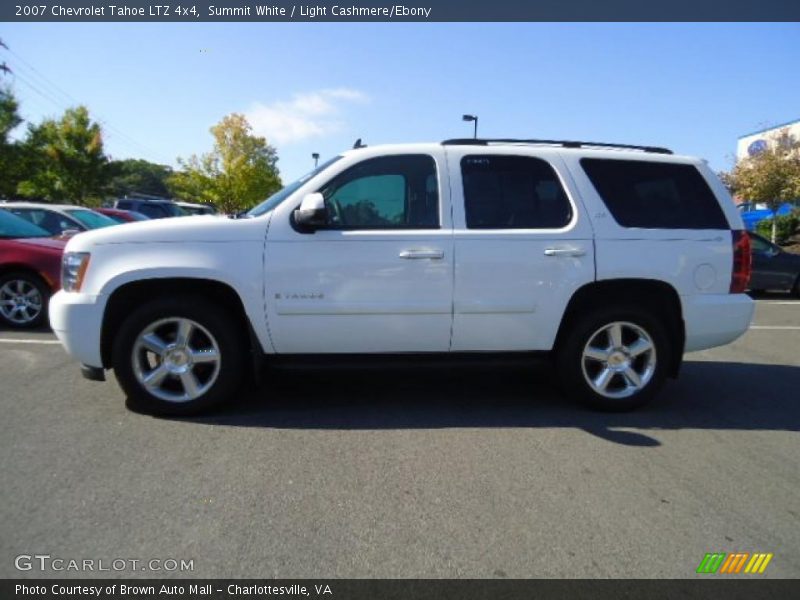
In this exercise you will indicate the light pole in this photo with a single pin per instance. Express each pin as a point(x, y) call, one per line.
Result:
point(474, 119)
point(315, 156)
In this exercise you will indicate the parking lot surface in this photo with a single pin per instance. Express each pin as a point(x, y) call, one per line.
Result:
point(474, 473)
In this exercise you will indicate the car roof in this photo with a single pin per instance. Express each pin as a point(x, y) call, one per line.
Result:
point(147, 200)
point(44, 205)
point(581, 149)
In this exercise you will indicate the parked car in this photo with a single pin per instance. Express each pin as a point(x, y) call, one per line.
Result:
point(122, 216)
point(154, 209)
point(773, 267)
point(197, 209)
point(752, 215)
point(30, 271)
point(611, 260)
point(59, 219)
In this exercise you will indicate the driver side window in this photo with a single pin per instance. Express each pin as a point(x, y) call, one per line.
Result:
point(390, 192)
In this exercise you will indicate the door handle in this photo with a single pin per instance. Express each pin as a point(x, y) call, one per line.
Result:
point(417, 254)
point(564, 251)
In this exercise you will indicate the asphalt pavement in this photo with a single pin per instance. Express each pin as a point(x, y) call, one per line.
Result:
point(468, 473)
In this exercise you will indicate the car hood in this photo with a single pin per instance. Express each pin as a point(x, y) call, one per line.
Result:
point(209, 228)
point(46, 244)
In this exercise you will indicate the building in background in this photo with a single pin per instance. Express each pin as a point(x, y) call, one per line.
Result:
point(753, 143)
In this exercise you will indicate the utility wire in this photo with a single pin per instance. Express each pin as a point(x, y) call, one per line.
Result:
point(46, 88)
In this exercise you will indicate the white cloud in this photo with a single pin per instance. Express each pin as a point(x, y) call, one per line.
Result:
point(306, 115)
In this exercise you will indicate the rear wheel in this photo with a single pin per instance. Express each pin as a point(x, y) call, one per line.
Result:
point(614, 359)
point(23, 299)
point(178, 356)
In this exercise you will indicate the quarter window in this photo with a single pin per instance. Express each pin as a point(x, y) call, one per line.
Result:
point(513, 192)
point(655, 195)
point(390, 192)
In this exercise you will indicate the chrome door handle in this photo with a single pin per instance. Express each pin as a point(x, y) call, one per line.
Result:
point(564, 251)
point(416, 254)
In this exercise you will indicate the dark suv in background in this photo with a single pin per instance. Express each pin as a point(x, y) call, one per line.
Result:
point(151, 207)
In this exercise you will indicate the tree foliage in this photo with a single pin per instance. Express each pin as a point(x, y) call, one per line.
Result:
point(66, 160)
point(9, 114)
point(771, 176)
point(9, 151)
point(238, 173)
point(138, 176)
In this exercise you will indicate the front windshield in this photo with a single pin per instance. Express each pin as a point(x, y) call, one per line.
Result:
point(281, 195)
point(91, 219)
point(12, 226)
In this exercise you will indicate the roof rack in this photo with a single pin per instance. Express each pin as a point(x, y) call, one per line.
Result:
point(562, 143)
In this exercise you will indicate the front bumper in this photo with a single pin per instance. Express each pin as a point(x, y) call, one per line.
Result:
point(77, 321)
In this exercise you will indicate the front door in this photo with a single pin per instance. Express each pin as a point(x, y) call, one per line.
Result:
point(379, 276)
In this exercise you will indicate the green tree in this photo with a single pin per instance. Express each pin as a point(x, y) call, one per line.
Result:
point(771, 176)
point(10, 163)
point(68, 163)
point(131, 176)
point(238, 173)
point(9, 114)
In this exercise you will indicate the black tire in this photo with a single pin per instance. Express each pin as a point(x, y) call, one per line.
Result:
point(44, 293)
point(796, 289)
point(570, 357)
point(226, 331)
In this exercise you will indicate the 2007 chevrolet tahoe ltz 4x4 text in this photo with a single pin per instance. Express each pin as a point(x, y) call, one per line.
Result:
point(613, 259)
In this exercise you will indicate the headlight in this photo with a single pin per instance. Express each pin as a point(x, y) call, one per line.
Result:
point(73, 268)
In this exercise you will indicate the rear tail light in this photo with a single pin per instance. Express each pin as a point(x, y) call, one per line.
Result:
point(742, 262)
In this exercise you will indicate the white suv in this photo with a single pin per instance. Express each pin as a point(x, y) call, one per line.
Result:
point(613, 259)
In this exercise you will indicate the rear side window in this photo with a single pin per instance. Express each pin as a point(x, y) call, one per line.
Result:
point(655, 195)
point(153, 211)
point(513, 192)
point(51, 221)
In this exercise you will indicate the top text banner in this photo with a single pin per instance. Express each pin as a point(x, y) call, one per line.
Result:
point(403, 10)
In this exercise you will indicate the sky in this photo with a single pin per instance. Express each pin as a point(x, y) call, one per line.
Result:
point(317, 87)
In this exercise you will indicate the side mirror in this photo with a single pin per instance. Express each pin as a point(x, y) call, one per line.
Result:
point(312, 213)
point(68, 233)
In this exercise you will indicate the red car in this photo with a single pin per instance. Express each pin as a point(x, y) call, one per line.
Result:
point(30, 271)
point(122, 216)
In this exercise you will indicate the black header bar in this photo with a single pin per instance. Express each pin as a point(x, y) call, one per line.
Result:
point(398, 10)
point(708, 588)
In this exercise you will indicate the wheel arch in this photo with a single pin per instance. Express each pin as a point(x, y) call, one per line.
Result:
point(132, 294)
point(654, 294)
point(29, 269)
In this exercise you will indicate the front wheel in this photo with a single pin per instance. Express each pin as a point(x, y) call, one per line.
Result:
point(178, 356)
point(614, 359)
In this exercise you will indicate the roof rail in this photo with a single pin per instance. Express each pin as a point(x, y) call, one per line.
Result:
point(562, 143)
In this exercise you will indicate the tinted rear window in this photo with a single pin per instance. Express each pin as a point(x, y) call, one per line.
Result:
point(655, 195)
point(513, 192)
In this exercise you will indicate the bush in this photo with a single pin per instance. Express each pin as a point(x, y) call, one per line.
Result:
point(786, 226)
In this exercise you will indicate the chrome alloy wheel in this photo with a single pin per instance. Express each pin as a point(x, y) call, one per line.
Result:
point(176, 359)
point(619, 360)
point(20, 301)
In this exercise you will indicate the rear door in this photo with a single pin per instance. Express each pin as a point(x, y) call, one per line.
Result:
point(523, 245)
